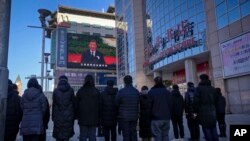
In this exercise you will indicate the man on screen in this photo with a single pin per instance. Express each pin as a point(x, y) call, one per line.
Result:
point(92, 56)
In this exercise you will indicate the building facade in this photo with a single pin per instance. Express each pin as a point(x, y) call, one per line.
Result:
point(130, 42)
point(186, 38)
point(71, 54)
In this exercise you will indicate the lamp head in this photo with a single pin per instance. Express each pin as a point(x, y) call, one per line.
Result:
point(43, 14)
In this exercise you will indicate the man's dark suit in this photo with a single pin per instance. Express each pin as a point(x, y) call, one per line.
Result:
point(88, 58)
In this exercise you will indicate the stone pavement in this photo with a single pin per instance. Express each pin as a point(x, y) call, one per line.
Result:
point(230, 120)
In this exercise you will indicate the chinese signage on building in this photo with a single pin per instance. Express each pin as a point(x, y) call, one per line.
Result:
point(235, 56)
point(61, 47)
point(181, 37)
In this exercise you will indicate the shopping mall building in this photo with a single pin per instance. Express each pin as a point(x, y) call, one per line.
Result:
point(73, 30)
point(181, 39)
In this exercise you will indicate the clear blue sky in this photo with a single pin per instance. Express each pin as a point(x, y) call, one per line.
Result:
point(25, 43)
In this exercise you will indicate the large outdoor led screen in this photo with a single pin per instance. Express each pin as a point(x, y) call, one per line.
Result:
point(93, 52)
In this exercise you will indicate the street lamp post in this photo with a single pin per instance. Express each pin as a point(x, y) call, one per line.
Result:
point(46, 59)
point(5, 6)
point(43, 14)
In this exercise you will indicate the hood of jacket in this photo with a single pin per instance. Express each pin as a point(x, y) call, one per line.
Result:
point(176, 93)
point(205, 83)
point(158, 86)
point(63, 86)
point(32, 93)
point(110, 90)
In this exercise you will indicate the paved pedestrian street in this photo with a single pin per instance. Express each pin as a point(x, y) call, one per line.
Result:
point(230, 120)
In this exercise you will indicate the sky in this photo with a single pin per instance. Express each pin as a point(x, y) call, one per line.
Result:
point(25, 44)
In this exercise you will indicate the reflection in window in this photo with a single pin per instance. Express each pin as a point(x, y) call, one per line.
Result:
point(222, 21)
point(234, 15)
point(231, 4)
point(221, 9)
point(175, 57)
point(195, 50)
point(229, 11)
point(188, 52)
point(218, 1)
point(245, 8)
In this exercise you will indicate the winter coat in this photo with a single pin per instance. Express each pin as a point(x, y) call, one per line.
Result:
point(161, 103)
point(88, 104)
point(63, 111)
point(205, 101)
point(144, 120)
point(13, 114)
point(127, 101)
point(189, 102)
point(108, 107)
point(178, 104)
point(34, 106)
point(221, 105)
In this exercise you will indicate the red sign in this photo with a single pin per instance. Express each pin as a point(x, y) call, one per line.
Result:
point(180, 76)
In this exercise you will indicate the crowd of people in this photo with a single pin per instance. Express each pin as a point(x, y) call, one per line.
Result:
point(115, 109)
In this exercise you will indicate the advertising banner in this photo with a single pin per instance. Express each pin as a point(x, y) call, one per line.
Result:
point(61, 47)
point(93, 52)
point(235, 56)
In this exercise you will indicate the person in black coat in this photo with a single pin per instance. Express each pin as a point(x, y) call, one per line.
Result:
point(34, 106)
point(109, 111)
point(205, 100)
point(145, 114)
point(192, 120)
point(177, 114)
point(88, 112)
point(63, 110)
point(221, 111)
point(46, 117)
point(13, 114)
point(127, 101)
point(161, 109)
